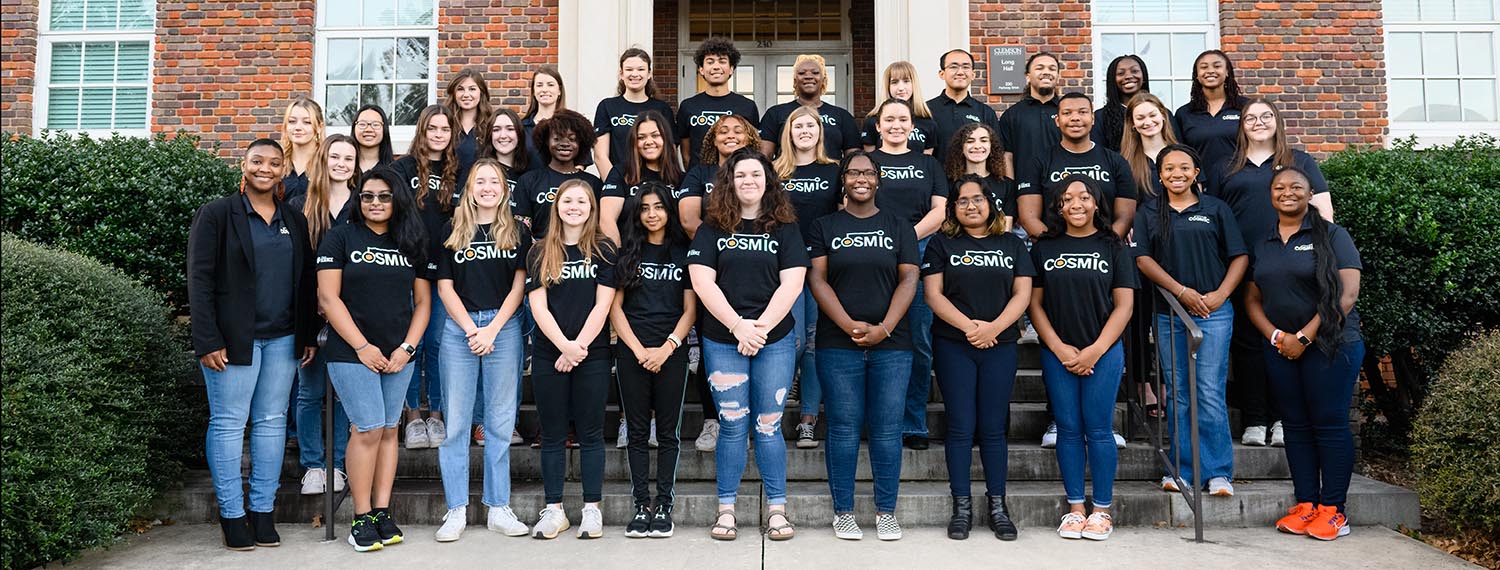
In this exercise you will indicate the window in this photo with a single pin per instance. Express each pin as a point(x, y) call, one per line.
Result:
point(1167, 34)
point(1440, 66)
point(94, 66)
point(378, 52)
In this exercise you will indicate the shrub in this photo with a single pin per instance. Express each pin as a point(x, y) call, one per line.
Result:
point(1427, 224)
point(1456, 441)
point(125, 201)
point(92, 420)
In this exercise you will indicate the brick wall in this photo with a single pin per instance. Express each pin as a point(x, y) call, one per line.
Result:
point(862, 32)
point(507, 39)
point(664, 50)
point(17, 64)
point(1063, 27)
point(225, 71)
point(1323, 64)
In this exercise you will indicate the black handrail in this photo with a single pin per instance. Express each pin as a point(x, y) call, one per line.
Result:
point(332, 499)
point(1195, 339)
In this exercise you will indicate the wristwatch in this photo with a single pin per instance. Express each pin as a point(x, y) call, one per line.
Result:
point(676, 342)
point(1302, 338)
point(410, 350)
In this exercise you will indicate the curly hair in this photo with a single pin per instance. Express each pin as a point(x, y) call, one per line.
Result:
point(723, 211)
point(717, 45)
point(1052, 211)
point(711, 151)
point(957, 164)
point(564, 120)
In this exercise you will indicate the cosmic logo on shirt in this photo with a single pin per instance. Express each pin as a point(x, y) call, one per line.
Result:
point(1082, 261)
point(749, 242)
point(547, 197)
point(379, 256)
point(910, 172)
point(623, 120)
point(707, 118)
point(579, 269)
point(1095, 171)
point(805, 185)
point(973, 258)
point(479, 251)
point(659, 271)
point(875, 239)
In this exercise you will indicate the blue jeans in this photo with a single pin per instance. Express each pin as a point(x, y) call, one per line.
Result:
point(1084, 407)
point(864, 386)
point(372, 399)
point(1215, 444)
point(805, 311)
point(919, 319)
point(428, 373)
point(463, 374)
point(976, 385)
point(256, 394)
point(745, 386)
point(310, 390)
point(1312, 396)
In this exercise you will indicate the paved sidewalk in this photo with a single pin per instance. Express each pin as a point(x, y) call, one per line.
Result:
point(192, 546)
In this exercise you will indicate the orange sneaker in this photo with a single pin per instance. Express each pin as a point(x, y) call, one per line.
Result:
point(1296, 519)
point(1328, 524)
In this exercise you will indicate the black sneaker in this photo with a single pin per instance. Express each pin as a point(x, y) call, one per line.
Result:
point(386, 526)
point(917, 442)
point(661, 524)
point(640, 524)
point(264, 527)
point(362, 534)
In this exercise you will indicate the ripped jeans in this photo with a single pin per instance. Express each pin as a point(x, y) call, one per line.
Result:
point(750, 389)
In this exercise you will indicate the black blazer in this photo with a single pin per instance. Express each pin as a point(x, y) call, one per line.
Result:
point(221, 279)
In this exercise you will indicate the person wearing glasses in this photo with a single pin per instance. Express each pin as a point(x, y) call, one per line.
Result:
point(953, 108)
point(372, 134)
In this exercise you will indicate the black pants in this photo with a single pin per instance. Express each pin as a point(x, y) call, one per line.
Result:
point(1247, 362)
point(641, 393)
point(580, 394)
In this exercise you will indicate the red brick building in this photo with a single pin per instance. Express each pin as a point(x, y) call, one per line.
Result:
point(1345, 73)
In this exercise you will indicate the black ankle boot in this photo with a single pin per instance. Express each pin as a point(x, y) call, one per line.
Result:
point(963, 518)
point(264, 527)
point(237, 535)
point(1000, 519)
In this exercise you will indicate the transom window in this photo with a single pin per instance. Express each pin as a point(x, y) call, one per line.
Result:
point(379, 52)
point(94, 66)
point(1441, 66)
point(1167, 34)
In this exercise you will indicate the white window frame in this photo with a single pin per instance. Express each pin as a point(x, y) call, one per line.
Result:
point(41, 90)
point(1439, 132)
point(687, 76)
point(401, 136)
point(1209, 28)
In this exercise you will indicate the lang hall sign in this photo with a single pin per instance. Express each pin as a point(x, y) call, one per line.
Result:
point(1007, 69)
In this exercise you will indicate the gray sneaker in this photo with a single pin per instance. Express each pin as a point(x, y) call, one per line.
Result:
point(887, 527)
point(551, 522)
point(845, 527)
point(416, 435)
point(709, 439)
point(592, 523)
point(437, 432)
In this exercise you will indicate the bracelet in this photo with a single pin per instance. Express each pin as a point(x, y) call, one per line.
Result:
point(736, 324)
point(882, 327)
point(676, 342)
point(366, 345)
point(1276, 336)
point(1179, 293)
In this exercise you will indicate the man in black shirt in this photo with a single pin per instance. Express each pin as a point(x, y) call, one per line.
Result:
point(716, 59)
point(840, 133)
point(1076, 154)
point(1030, 125)
point(954, 107)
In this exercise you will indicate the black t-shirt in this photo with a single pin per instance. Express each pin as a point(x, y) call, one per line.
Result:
point(467, 149)
point(1287, 276)
point(1213, 136)
point(863, 257)
point(697, 114)
point(433, 216)
point(1248, 192)
point(1205, 238)
point(1105, 166)
point(698, 183)
point(571, 300)
point(538, 191)
point(1027, 128)
point(616, 115)
point(814, 191)
point(923, 133)
point(950, 115)
point(376, 287)
point(654, 306)
point(341, 218)
point(749, 265)
point(978, 277)
point(907, 184)
point(839, 129)
point(615, 186)
point(1004, 191)
point(1079, 276)
point(482, 273)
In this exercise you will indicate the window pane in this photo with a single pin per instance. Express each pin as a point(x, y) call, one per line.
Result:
point(130, 108)
point(1440, 54)
point(67, 62)
point(1475, 10)
point(67, 15)
point(1115, 45)
point(744, 80)
point(137, 15)
point(378, 59)
point(134, 62)
point(1189, 10)
point(1476, 54)
point(1442, 100)
point(1155, 49)
point(380, 12)
point(1185, 48)
point(381, 95)
point(411, 58)
point(1181, 89)
point(831, 73)
point(1405, 100)
point(341, 13)
point(100, 15)
point(1151, 11)
point(98, 109)
point(1109, 11)
point(410, 100)
point(1479, 99)
point(343, 59)
point(99, 62)
point(62, 109)
point(414, 13)
point(784, 79)
point(1400, 10)
point(1437, 10)
point(340, 103)
point(1403, 54)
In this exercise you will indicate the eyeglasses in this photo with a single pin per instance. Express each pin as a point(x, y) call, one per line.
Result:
point(966, 202)
point(960, 67)
point(861, 173)
point(1263, 119)
point(368, 125)
point(373, 197)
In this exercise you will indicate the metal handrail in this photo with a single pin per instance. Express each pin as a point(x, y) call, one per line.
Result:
point(1195, 340)
point(332, 499)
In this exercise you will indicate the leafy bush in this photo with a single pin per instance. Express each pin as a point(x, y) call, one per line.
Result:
point(93, 422)
point(1456, 441)
point(1427, 224)
point(125, 201)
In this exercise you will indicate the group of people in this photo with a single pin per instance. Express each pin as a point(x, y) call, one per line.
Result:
point(851, 256)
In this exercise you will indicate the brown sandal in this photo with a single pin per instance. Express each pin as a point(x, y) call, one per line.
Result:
point(782, 531)
point(722, 531)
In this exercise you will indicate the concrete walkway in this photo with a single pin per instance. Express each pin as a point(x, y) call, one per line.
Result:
point(191, 546)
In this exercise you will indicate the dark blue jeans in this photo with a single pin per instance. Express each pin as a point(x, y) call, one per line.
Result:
point(309, 414)
point(919, 320)
point(1312, 396)
point(976, 385)
point(1084, 407)
point(863, 387)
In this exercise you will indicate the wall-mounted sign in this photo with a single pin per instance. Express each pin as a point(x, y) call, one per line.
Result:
point(1007, 71)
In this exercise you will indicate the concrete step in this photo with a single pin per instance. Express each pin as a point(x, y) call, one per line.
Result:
point(1026, 462)
point(1035, 505)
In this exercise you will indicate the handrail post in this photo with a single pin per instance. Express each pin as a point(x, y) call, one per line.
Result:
point(329, 452)
point(1195, 340)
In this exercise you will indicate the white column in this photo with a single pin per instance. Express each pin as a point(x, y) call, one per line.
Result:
point(918, 31)
point(591, 34)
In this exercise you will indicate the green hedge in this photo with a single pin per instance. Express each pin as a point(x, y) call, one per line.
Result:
point(1456, 443)
point(95, 416)
point(125, 201)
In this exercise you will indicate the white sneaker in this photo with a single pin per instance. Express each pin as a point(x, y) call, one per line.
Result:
point(887, 528)
point(504, 521)
point(416, 435)
point(1278, 436)
point(1220, 487)
point(845, 527)
point(1254, 435)
point(552, 522)
point(453, 525)
point(1049, 439)
point(1119, 441)
point(709, 439)
point(1171, 485)
point(478, 436)
point(437, 433)
point(315, 481)
point(340, 479)
point(624, 438)
point(651, 441)
point(515, 438)
point(592, 523)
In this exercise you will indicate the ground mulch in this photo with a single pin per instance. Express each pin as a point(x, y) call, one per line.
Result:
point(1437, 530)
